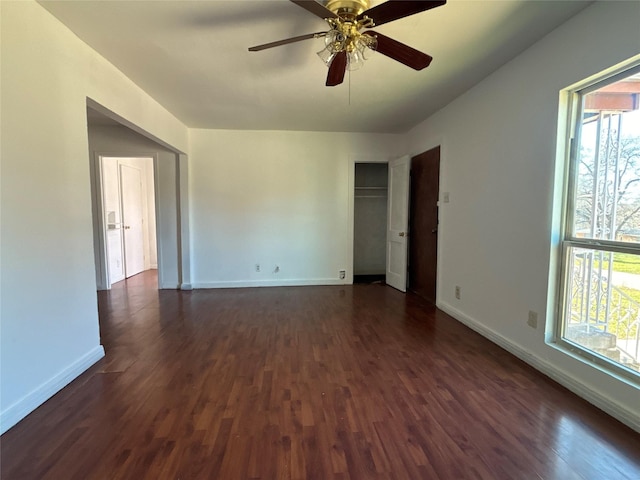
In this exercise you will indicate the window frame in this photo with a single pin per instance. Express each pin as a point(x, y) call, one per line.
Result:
point(574, 110)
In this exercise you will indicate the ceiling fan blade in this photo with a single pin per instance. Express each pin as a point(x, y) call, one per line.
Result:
point(400, 52)
point(287, 41)
point(337, 69)
point(314, 7)
point(395, 9)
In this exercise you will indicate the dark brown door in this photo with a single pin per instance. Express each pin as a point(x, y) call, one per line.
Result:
point(423, 223)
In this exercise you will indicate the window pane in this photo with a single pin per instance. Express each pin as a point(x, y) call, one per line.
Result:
point(607, 190)
point(603, 304)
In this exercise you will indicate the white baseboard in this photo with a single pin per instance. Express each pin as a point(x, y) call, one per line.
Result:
point(27, 404)
point(271, 283)
point(552, 371)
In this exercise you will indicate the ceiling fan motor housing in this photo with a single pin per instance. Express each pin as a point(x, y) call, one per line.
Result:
point(347, 8)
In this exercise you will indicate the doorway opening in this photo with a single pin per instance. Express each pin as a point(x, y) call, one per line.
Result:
point(395, 223)
point(370, 222)
point(110, 135)
point(128, 197)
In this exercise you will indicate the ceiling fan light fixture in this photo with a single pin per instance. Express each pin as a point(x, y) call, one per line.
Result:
point(355, 60)
point(368, 45)
point(330, 37)
point(345, 36)
point(327, 55)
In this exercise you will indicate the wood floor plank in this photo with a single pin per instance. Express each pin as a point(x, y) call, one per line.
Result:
point(339, 382)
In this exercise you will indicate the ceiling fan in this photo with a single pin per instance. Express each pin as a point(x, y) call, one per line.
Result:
point(347, 45)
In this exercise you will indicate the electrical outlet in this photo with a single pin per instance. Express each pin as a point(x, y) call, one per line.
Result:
point(343, 274)
point(446, 197)
point(533, 319)
point(458, 292)
point(257, 267)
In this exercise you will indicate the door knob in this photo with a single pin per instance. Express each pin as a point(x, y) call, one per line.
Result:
point(403, 234)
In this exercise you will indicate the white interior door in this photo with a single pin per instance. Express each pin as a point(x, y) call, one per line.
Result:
point(132, 215)
point(114, 248)
point(112, 219)
point(398, 222)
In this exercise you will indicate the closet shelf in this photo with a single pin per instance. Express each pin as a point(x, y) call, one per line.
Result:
point(371, 192)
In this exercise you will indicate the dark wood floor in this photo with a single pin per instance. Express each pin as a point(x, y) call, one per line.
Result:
point(357, 382)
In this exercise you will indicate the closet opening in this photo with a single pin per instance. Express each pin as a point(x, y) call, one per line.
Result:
point(370, 222)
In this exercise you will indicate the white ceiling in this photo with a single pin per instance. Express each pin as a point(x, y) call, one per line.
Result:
point(192, 57)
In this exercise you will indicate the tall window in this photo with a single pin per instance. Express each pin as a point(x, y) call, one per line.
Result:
point(601, 245)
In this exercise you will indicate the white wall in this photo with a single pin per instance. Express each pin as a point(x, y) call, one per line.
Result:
point(498, 163)
point(274, 199)
point(49, 324)
point(121, 141)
